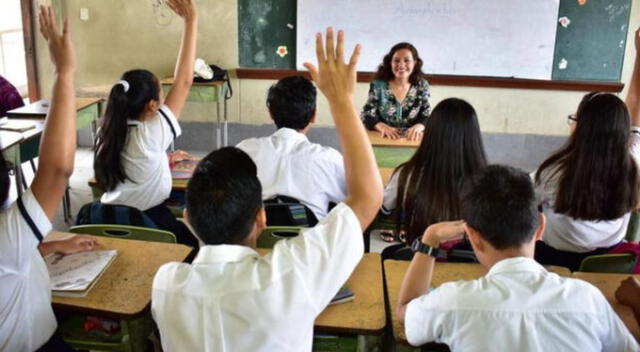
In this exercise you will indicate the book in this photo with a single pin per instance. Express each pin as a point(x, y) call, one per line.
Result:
point(75, 274)
point(17, 125)
point(183, 170)
point(343, 295)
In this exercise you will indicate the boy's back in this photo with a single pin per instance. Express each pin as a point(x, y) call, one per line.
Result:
point(518, 306)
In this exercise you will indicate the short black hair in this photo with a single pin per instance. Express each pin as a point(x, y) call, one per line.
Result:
point(292, 102)
point(224, 196)
point(500, 203)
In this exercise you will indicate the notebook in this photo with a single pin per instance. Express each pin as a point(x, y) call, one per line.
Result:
point(183, 170)
point(344, 295)
point(74, 275)
point(17, 125)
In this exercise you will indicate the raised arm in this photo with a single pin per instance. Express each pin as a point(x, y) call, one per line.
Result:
point(58, 142)
point(337, 81)
point(183, 74)
point(633, 96)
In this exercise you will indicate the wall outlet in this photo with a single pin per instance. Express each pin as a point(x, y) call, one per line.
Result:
point(84, 14)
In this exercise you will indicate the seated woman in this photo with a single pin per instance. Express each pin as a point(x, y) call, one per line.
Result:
point(398, 103)
point(425, 188)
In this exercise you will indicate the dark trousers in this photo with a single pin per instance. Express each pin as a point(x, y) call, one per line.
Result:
point(55, 344)
point(165, 220)
point(547, 255)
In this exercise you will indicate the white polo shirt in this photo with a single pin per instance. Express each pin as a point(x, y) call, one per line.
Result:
point(289, 165)
point(518, 306)
point(568, 234)
point(26, 317)
point(145, 162)
point(232, 299)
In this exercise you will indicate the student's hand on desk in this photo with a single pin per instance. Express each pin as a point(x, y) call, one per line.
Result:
point(415, 132)
point(180, 155)
point(629, 292)
point(335, 79)
point(387, 131)
point(60, 46)
point(442, 232)
point(184, 8)
point(75, 244)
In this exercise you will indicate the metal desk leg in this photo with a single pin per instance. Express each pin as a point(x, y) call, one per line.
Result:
point(218, 131)
point(226, 125)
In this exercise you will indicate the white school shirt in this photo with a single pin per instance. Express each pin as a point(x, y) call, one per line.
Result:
point(232, 299)
point(518, 306)
point(568, 234)
point(390, 195)
point(289, 165)
point(26, 318)
point(144, 158)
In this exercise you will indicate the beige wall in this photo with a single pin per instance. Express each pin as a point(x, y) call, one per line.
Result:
point(125, 34)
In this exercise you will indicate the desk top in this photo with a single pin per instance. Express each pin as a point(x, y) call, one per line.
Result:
point(608, 283)
point(40, 108)
point(169, 81)
point(443, 272)
point(8, 139)
point(124, 290)
point(378, 141)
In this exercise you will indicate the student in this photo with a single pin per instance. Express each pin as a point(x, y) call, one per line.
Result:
point(590, 186)
point(451, 150)
point(288, 164)
point(518, 305)
point(9, 97)
point(231, 298)
point(139, 125)
point(398, 102)
point(629, 294)
point(27, 322)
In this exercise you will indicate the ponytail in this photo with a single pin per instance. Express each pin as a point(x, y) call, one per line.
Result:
point(126, 102)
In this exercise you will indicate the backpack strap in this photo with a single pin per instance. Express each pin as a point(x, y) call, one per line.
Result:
point(29, 220)
point(166, 118)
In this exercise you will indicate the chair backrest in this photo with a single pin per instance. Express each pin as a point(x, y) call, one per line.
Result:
point(633, 230)
point(622, 263)
point(273, 234)
point(288, 211)
point(126, 232)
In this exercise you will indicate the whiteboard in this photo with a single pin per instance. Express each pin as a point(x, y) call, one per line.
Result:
point(500, 38)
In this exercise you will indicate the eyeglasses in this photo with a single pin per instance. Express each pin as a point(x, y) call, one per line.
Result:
point(571, 119)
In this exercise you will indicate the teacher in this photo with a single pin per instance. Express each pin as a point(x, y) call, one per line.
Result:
point(398, 102)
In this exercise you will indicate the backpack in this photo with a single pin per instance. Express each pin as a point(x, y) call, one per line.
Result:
point(99, 213)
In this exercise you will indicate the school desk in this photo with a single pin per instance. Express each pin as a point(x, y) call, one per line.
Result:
point(608, 283)
point(208, 92)
point(394, 271)
point(391, 152)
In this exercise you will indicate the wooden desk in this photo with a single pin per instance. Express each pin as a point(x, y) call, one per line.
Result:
point(88, 110)
point(394, 271)
point(608, 283)
point(208, 92)
point(391, 152)
point(386, 173)
point(124, 290)
point(9, 139)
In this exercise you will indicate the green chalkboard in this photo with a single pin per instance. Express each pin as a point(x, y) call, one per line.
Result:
point(591, 43)
point(266, 33)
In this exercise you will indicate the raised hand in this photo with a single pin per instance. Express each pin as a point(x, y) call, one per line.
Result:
point(183, 8)
point(335, 78)
point(60, 46)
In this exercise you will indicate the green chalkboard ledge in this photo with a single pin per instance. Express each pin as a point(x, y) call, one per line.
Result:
point(468, 81)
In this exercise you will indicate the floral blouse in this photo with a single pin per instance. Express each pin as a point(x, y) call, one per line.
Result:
point(382, 105)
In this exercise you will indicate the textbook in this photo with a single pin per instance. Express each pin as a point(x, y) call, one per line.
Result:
point(183, 170)
point(74, 275)
point(344, 295)
point(16, 125)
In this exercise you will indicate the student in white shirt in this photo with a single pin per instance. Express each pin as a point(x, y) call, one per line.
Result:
point(288, 163)
point(139, 124)
point(518, 305)
point(590, 186)
point(231, 298)
point(27, 322)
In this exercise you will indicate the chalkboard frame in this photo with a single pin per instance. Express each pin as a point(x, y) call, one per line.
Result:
point(451, 80)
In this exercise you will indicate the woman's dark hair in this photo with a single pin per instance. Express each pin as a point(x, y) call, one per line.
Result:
point(597, 177)
point(385, 73)
point(121, 107)
point(429, 183)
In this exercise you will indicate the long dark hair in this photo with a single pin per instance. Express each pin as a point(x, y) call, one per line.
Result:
point(5, 181)
point(121, 107)
point(385, 73)
point(429, 183)
point(597, 177)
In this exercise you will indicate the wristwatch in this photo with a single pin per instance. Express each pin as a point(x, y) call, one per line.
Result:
point(418, 246)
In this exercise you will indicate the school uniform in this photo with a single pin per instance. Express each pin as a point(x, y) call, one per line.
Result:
point(26, 318)
point(518, 306)
point(232, 299)
point(390, 195)
point(148, 184)
point(289, 165)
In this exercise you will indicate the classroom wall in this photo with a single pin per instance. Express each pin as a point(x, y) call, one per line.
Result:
point(123, 34)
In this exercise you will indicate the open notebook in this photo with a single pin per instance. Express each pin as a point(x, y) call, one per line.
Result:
point(74, 275)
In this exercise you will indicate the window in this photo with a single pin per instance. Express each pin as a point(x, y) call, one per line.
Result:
point(12, 55)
